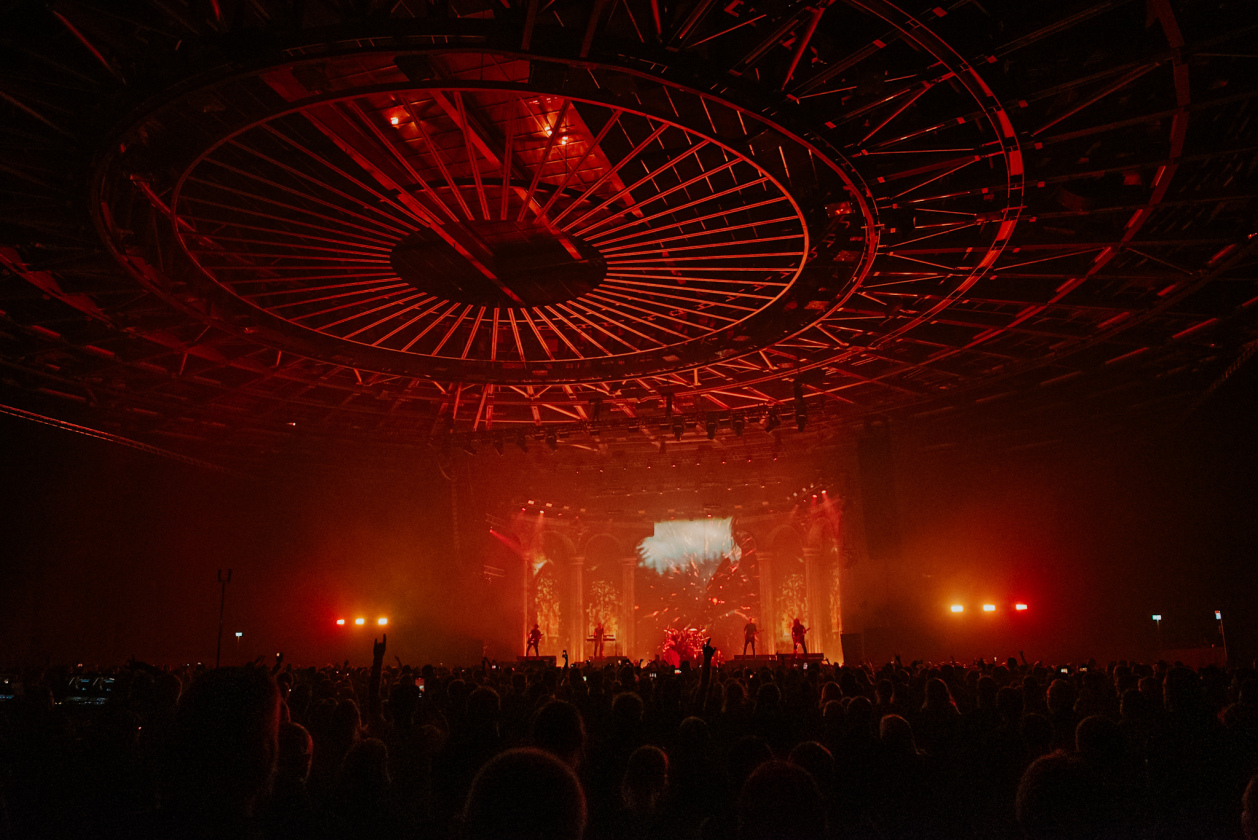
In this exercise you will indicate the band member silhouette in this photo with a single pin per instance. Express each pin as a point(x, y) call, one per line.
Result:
point(535, 638)
point(598, 640)
point(797, 637)
point(749, 636)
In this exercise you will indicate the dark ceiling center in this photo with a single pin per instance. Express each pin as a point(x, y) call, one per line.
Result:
point(498, 264)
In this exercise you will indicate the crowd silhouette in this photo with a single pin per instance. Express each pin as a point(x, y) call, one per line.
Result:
point(621, 751)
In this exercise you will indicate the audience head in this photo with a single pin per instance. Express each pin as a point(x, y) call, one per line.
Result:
point(645, 780)
point(938, 696)
point(295, 751)
point(558, 729)
point(1249, 812)
point(780, 801)
point(817, 760)
point(226, 741)
point(524, 794)
point(1060, 798)
point(896, 735)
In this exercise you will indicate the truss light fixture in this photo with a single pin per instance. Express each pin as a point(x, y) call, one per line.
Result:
point(1020, 607)
point(360, 621)
point(552, 442)
point(958, 608)
point(739, 423)
point(340, 622)
point(522, 441)
point(382, 621)
point(709, 427)
point(801, 408)
point(772, 421)
point(498, 444)
point(989, 608)
point(679, 428)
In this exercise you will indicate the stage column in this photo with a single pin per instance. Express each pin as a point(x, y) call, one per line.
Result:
point(814, 598)
point(528, 614)
point(628, 600)
point(576, 643)
point(836, 627)
point(767, 643)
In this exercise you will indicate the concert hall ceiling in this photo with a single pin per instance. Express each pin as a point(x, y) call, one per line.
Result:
point(228, 227)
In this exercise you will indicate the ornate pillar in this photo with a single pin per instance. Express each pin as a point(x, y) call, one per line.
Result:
point(837, 594)
point(577, 628)
point(818, 616)
point(767, 643)
point(628, 606)
point(528, 613)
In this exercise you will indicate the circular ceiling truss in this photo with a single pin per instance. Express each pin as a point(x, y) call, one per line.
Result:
point(512, 215)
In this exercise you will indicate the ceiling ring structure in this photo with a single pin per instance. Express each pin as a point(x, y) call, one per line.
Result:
point(523, 214)
point(283, 211)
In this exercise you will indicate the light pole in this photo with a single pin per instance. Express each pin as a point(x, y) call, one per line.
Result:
point(1157, 619)
point(222, 602)
point(238, 635)
point(1218, 616)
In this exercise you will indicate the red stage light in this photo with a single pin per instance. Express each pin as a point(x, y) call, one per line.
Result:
point(360, 621)
point(340, 621)
point(956, 608)
point(1019, 607)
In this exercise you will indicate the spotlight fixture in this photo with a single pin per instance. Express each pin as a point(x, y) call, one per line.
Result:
point(739, 423)
point(956, 608)
point(989, 608)
point(679, 429)
point(801, 408)
point(709, 427)
point(498, 443)
point(340, 622)
point(522, 441)
point(772, 421)
point(360, 621)
point(382, 621)
point(552, 442)
point(1022, 607)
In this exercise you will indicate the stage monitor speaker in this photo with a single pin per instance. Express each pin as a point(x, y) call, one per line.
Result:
point(853, 650)
point(877, 479)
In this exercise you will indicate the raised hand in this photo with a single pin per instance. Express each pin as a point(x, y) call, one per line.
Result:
point(377, 648)
point(708, 651)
